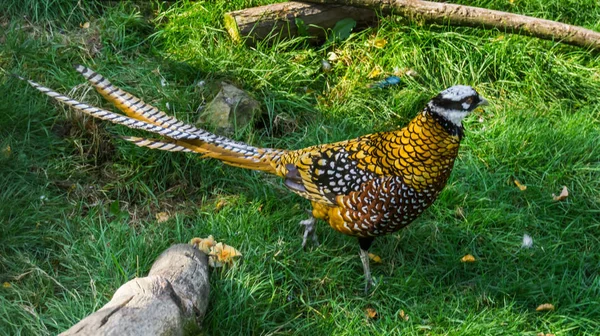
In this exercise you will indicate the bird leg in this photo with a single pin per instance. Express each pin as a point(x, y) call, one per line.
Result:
point(364, 257)
point(365, 243)
point(309, 230)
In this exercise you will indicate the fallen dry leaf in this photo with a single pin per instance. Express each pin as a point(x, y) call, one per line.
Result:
point(522, 187)
point(85, 25)
point(379, 43)
point(6, 285)
point(205, 244)
point(220, 204)
point(467, 259)
point(371, 313)
point(332, 57)
point(545, 307)
point(6, 151)
point(542, 334)
point(563, 194)
point(498, 38)
point(162, 217)
point(460, 213)
point(403, 315)
point(376, 259)
point(375, 72)
point(222, 254)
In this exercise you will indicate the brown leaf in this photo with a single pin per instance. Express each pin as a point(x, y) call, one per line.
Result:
point(467, 259)
point(545, 307)
point(563, 194)
point(403, 315)
point(522, 187)
point(371, 313)
point(162, 217)
point(376, 259)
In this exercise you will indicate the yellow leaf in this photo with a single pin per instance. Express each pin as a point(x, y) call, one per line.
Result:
point(220, 204)
point(522, 187)
point(6, 151)
point(222, 254)
point(379, 43)
point(375, 72)
point(6, 285)
point(563, 194)
point(403, 315)
point(86, 25)
point(467, 259)
point(499, 38)
point(376, 259)
point(545, 307)
point(371, 313)
point(162, 217)
point(205, 244)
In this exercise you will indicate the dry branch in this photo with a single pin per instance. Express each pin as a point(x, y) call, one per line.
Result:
point(458, 15)
point(171, 300)
point(279, 20)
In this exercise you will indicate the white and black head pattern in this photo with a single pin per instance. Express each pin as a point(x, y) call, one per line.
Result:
point(455, 103)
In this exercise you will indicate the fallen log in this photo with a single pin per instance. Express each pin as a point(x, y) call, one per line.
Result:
point(279, 20)
point(459, 15)
point(171, 300)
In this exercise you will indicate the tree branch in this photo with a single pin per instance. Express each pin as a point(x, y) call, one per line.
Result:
point(171, 300)
point(458, 15)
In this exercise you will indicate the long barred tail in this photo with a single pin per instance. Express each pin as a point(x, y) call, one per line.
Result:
point(180, 137)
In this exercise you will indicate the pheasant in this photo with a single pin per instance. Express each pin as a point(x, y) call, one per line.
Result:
point(365, 187)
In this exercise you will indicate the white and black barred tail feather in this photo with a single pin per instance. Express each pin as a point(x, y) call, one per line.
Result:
point(181, 137)
point(157, 144)
point(136, 108)
point(133, 106)
point(113, 117)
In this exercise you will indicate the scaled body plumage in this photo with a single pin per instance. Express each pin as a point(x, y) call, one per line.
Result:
point(365, 187)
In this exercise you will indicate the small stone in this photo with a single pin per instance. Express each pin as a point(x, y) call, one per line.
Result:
point(231, 107)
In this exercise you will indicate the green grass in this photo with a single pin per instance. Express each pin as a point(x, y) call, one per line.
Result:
point(64, 252)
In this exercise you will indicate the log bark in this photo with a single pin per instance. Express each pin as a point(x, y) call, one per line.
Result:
point(171, 300)
point(278, 20)
point(458, 15)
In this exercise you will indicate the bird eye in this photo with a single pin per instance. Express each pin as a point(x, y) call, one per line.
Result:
point(469, 100)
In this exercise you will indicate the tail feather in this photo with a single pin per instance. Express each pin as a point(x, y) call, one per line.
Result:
point(113, 117)
point(133, 106)
point(158, 144)
point(181, 137)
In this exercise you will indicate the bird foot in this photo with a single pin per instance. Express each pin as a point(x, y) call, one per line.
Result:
point(309, 230)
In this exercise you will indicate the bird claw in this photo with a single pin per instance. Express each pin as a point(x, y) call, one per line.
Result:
point(309, 230)
point(369, 283)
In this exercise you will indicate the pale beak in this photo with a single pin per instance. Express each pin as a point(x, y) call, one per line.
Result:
point(483, 102)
